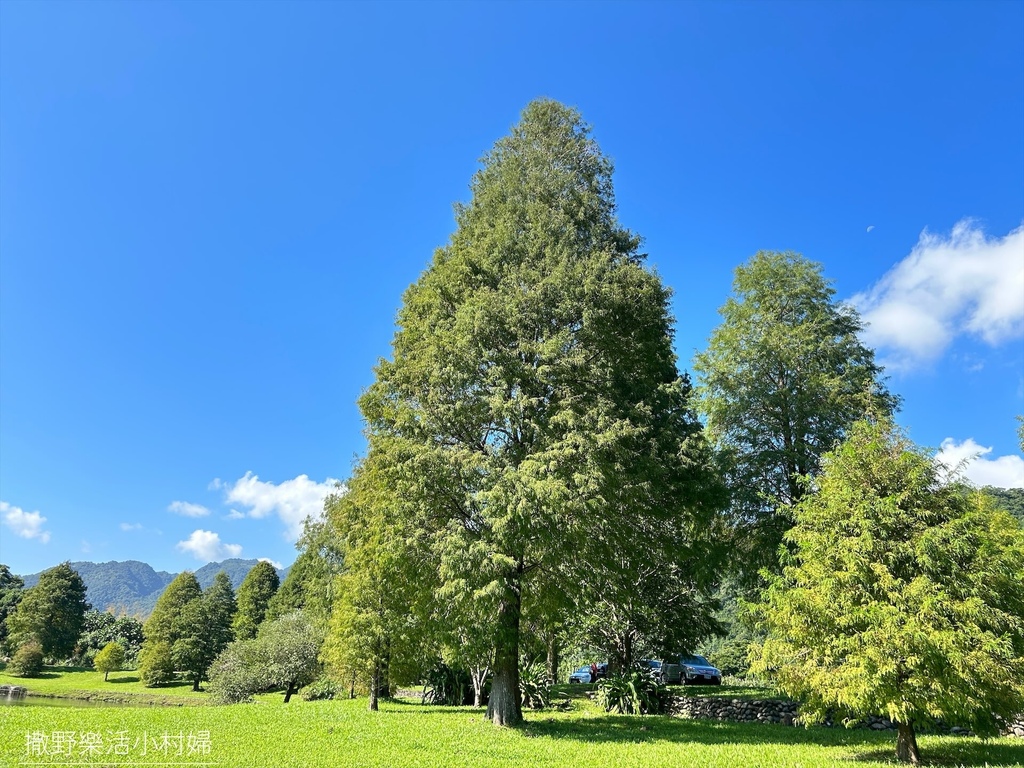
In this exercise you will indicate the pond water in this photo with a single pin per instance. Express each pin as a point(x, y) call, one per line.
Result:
point(46, 701)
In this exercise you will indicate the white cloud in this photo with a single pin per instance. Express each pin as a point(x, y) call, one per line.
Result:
point(292, 501)
point(187, 509)
point(131, 526)
point(234, 514)
point(964, 284)
point(207, 546)
point(272, 562)
point(28, 525)
point(969, 458)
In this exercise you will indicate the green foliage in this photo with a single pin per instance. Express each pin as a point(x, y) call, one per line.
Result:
point(156, 666)
point(290, 651)
point(102, 628)
point(109, 659)
point(904, 593)
point(220, 601)
point(635, 692)
point(532, 417)
point(11, 590)
point(309, 584)
point(535, 686)
point(53, 612)
point(238, 672)
point(730, 651)
point(1010, 499)
point(285, 655)
point(254, 595)
point(783, 378)
point(27, 660)
point(447, 686)
point(322, 689)
point(163, 623)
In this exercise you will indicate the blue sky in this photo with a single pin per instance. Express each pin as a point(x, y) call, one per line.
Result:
point(209, 212)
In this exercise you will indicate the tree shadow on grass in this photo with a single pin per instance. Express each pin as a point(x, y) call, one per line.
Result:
point(866, 745)
point(129, 679)
point(955, 751)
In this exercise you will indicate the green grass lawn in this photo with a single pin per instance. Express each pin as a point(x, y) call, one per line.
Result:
point(304, 734)
point(82, 683)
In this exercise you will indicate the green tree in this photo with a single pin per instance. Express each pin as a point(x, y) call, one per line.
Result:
point(53, 612)
point(532, 412)
point(382, 595)
point(220, 598)
point(254, 594)
point(903, 595)
point(291, 648)
point(11, 590)
point(27, 660)
point(309, 584)
point(238, 672)
point(155, 663)
point(783, 378)
point(162, 624)
point(1010, 499)
point(109, 659)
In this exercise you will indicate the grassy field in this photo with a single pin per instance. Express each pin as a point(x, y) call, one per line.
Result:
point(303, 734)
point(125, 687)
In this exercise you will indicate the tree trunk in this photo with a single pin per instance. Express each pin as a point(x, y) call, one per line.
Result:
point(195, 683)
point(105, 676)
point(906, 744)
point(553, 657)
point(352, 687)
point(505, 706)
point(289, 691)
point(479, 677)
point(375, 685)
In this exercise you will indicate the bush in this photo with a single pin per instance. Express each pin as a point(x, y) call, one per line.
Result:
point(155, 664)
point(535, 686)
point(28, 660)
point(110, 659)
point(238, 672)
point(322, 688)
point(448, 686)
point(635, 693)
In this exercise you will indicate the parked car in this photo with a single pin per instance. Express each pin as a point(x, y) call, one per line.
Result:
point(653, 666)
point(690, 670)
point(581, 675)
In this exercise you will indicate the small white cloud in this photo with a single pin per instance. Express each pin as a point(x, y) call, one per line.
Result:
point(234, 514)
point(969, 458)
point(272, 562)
point(215, 485)
point(28, 525)
point(870, 227)
point(187, 509)
point(966, 284)
point(86, 547)
point(292, 500)
point(131, 526)
point(207, 546)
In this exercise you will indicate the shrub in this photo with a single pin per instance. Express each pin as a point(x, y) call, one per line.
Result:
point(448, 686)
point(155, 664)
point(322, 688)
point(238, 672)
point(28, 660)
point(110, 659)
point(535, 686)
point(634, 693)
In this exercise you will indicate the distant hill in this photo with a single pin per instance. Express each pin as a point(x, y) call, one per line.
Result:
point(133, 587)
point(1010, 499)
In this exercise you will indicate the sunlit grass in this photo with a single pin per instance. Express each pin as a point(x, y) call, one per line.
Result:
point(343, 733)
point(83, 683)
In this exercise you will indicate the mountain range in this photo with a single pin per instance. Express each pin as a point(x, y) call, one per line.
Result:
point(133, 587)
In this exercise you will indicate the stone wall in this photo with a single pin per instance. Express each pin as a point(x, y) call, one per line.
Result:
point(781, 711)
